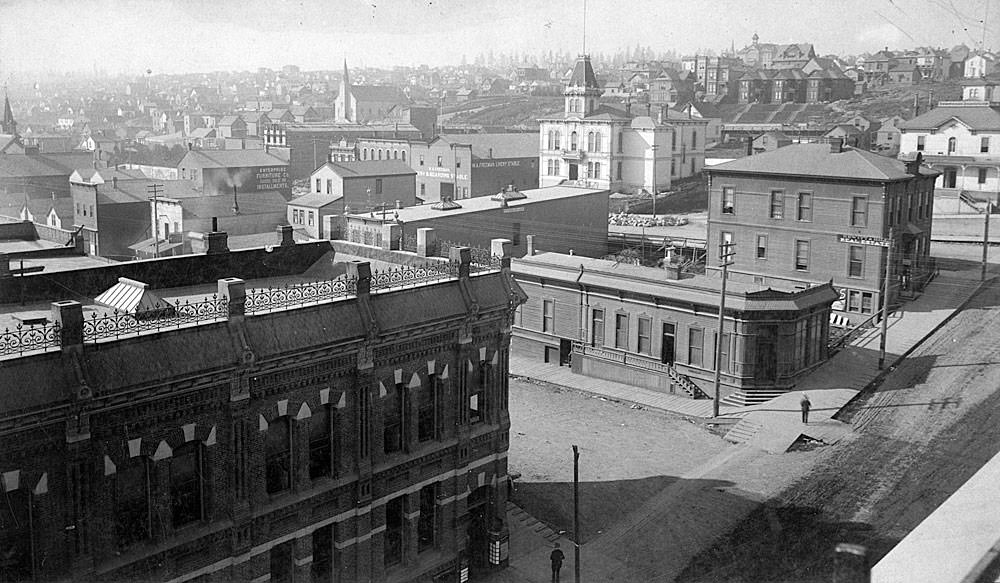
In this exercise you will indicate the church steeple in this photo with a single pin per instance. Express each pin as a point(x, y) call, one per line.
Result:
point(582, 91)
point(8, 125)
point(345, 112)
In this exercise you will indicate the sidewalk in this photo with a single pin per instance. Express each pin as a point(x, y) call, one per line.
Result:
point(775, 425)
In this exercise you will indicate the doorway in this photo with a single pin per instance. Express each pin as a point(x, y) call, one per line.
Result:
point(950, 177)
point(565, 352)
point(480, 520)
point(574, 171)
point(667, 344)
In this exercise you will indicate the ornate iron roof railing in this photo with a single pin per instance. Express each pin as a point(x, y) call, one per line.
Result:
point(161, 317)
point(270, 299)
point(28, 339)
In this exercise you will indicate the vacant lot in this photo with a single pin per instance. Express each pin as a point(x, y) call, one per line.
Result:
point(626, 455)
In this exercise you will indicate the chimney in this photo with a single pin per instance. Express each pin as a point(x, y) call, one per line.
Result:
point(649, 110)
point(749, 145)
point(529, 244)
point(218, 243)
point(114, 182)
point(215, 224)
point(628, 107)
point(285, 236)
point(836, 145)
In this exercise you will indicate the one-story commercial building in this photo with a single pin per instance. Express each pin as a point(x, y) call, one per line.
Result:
point(646, 327)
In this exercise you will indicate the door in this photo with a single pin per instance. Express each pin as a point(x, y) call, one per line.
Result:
point(565, 349)
point(767, 357)
point(667, 344)
point(447, 191)
point(574, 171)
point(950, 177)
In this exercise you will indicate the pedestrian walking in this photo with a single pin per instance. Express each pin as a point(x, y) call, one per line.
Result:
point(556, 557)
point(805, 408)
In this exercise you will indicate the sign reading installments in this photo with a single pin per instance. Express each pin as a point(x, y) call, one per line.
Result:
point(859, 240)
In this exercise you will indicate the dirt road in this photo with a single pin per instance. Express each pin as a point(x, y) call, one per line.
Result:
point(931, 425)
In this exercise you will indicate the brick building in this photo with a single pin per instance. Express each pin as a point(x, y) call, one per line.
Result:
point(458, 166)
point(803, 214)
point(219, 171)
point(352, 429)
point(562, 219)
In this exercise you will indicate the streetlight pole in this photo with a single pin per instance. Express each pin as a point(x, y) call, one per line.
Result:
point(726, 253)
point(885, 302)
point(576, 514)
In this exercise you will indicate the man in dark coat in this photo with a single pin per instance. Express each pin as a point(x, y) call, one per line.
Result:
point(556, 557)
point(806, 405)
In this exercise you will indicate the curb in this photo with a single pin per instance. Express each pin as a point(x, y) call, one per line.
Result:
point(634, 404)
point(869, 388)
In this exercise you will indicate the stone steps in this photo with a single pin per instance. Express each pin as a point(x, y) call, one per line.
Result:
point(743, 398)
point(743, 431)
point(517, 514)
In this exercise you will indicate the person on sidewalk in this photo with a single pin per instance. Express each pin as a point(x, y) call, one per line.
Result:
point(805, 408)
point(556, 557)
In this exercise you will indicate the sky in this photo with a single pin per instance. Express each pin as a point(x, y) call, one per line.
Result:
point(176, 36)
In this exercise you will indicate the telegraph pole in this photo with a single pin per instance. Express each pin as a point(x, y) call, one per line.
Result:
point(986, 239)
point(727, 252)
point(885, 301)
point(154, 189)
point(654, 147)
point(576, 514)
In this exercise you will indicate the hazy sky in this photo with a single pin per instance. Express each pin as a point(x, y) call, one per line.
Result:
point(171, 36)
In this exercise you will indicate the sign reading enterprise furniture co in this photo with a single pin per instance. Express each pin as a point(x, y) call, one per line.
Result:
point(859, 240)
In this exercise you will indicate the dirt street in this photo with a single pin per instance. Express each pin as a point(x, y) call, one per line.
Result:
point(932, 423)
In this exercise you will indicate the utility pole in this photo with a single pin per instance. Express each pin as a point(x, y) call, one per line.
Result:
point(576, 514)
point(727, 252)
point(986, 238)
point(154, 189)
point(654, 147)
point(885, 301)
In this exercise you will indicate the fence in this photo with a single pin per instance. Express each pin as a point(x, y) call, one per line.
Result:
point(114, 324)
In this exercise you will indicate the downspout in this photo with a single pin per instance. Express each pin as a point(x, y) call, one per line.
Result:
point(584, 307)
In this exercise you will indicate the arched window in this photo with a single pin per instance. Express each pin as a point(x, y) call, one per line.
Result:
point(590, 141)
point(558, 168)
point(395, 154)
point(320, 443)
point(621, 142)
point(278, 455)
point(132, 509)
point(552, 141)
point(549, 166)
point(597, 142)
point(558, 139)
point(572, 141)
point(951, 145)
point(364, 153)
point(404, 155)
point(597, 170)
point(186, 482)
point(380, 153)
point(694, 138)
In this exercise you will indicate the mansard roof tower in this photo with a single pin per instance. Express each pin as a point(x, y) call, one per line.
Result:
point(582, 92)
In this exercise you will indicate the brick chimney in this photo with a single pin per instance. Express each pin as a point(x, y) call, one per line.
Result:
point(836, 145)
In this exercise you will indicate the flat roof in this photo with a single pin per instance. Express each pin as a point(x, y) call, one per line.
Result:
point(482, 203)
point(700, 289)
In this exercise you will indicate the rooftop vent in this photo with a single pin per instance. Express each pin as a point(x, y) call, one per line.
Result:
point(129, 296)
point(509, 193)
point(446, 204)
